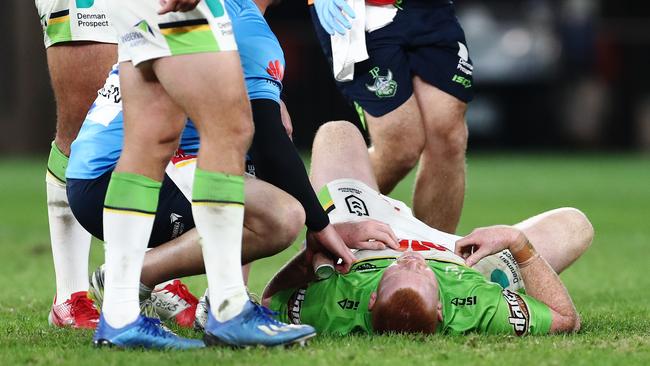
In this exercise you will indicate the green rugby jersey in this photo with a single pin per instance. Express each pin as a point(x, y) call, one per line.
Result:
point(470, 303)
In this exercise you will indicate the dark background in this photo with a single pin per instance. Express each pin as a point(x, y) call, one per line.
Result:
point(567, 75)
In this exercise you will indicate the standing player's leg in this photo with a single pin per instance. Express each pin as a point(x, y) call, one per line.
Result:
point(78, 59)
point(218, 192)
point(153, 123)
point(440, 183)
point(398, 138)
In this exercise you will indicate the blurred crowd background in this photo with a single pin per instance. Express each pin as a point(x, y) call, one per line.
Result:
point(549, 74)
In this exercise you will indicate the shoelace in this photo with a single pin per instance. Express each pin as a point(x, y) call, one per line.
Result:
point(84, 309)
point(179, 289)
point(154, 327)
point(265, 314)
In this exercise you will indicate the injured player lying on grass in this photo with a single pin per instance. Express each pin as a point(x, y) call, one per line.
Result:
point(497, 280)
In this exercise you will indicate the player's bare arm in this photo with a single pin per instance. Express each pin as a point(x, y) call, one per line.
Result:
point(541, 280)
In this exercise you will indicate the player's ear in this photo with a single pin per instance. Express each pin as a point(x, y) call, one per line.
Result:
point(371, 302)
point(439, 311)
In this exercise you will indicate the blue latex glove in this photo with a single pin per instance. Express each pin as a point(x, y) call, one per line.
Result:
point(331, 15)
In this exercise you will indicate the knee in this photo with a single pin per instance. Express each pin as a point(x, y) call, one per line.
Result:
point(582, 227)
point(289, 221)
point(337, 130)
point(448, 138)
point(403, 150)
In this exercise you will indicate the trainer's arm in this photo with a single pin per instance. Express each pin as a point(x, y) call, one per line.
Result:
point(296, 273)
point(541, 280)
point(277, 161)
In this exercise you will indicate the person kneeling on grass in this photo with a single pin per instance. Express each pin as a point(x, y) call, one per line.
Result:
point(496, 280)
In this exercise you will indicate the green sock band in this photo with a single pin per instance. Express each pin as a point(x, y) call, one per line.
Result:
point(326, 200)
point(132, 192)
point(214, 187)
point(57, 163)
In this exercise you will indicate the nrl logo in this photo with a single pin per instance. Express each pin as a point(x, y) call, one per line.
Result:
point(384, 86)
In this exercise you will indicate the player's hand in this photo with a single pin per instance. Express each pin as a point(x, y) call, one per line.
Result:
point(177, 5)
point(328, 241)
point(332, 15)
point(487, 241)
point(367, 234)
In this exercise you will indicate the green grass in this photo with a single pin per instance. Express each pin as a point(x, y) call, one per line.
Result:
point(610, 285)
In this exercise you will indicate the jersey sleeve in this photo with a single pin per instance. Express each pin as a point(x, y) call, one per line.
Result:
point(519, 314)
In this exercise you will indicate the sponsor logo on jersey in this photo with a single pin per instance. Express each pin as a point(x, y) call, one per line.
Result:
point(464, 301)
point(519, 314)
point(275, 70)
point(347, 304)
point(384, 85)
point(356, 205)
point(294, 305)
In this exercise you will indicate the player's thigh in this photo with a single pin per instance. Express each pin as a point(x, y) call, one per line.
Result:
point(210, 88)
point(443, 83)
point(443, 117)
point(173, 216)
point(152, 121)
point(336, 142)
point(398, 136)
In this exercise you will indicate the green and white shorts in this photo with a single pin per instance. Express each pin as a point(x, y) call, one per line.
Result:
point(75, 20)
point(144, 35)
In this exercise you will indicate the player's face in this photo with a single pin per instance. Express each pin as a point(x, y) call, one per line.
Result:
point(410, 270)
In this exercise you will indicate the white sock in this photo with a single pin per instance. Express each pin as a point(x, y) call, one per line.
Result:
point(70, 243)
point(126, 236)
point(220, 227)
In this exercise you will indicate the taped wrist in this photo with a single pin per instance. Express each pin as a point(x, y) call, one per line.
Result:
point(525, 254)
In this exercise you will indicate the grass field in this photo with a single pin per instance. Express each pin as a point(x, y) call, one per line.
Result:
point(610, 284)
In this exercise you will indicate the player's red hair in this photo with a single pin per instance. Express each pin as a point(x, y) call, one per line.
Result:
point(404, 311)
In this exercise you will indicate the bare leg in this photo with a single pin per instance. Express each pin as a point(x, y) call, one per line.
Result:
point(561, 236)
point(440, 182)
point(273, 219)
point(153, 123)
point(77, 70)
point(397, 142)
point(338, 142)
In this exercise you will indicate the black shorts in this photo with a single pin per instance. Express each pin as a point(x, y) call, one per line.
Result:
point(173, 218)
point(424, 39)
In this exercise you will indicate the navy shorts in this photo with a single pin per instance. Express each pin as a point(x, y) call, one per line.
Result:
point(424, 39)
point(173, 218)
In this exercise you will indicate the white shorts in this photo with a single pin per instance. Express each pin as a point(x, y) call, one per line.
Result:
point(348, 200)
point(144, 35)
point(75, 20)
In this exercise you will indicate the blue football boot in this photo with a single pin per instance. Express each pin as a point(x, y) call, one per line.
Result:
point(254, 326)
point(143, 332)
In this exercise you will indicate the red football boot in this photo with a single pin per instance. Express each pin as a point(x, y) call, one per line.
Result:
point(77, 312)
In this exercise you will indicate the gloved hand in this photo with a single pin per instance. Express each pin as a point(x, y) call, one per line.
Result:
point(331, 15)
